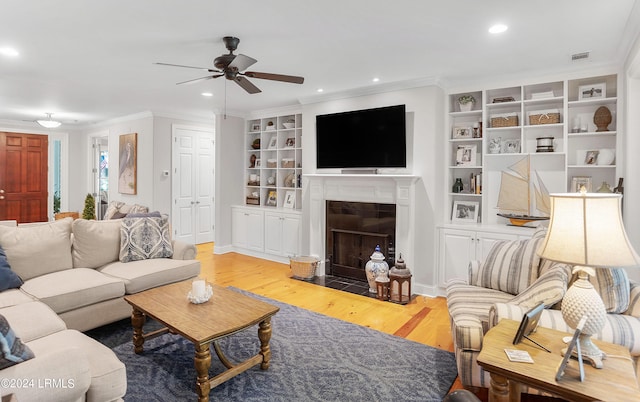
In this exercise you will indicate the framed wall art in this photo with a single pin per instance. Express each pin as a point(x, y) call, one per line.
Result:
point(466, 155)
point(461, 132)
point(510, 146)
point(128, 156)
point(578, 181)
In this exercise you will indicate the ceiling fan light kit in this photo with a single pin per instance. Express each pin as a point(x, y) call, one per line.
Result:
point(49, 123)
point(232, 67)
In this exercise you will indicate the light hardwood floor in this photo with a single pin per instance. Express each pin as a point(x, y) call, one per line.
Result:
point(424, 320)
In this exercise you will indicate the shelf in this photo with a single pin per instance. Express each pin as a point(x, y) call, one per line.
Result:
point(592, 102)
point(557, 99)
point(591, 166)
point(465, 194)
point(593, 134)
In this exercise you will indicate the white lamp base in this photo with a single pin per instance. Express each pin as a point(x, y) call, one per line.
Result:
point(582, 300)
point(589, 351)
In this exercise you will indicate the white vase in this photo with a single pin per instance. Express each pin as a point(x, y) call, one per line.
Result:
point(466, 107)
point(606, 156)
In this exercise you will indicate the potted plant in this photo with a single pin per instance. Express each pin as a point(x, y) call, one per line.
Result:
point(466, 102)
point(89, 211)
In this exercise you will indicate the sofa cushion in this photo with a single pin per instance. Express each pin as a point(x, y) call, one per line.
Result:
point(146, 274)
point(8, 278)
point(23, 316)
point(144, 238)
point(12, 350)
point(108, 374)
point(36, 250)
point(95, 243)
point(72, 288)
point(549, 288)
point(510, 266)
point(12, 297)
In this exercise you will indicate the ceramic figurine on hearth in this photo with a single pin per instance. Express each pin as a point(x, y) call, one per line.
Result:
point(377, 266)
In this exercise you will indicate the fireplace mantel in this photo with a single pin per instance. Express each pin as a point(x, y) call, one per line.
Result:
point(381, 188)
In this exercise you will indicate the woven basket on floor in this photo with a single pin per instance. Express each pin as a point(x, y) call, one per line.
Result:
point(303, 267)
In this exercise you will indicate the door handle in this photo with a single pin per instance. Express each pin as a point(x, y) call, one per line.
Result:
point(1, 197)
point(1, 191)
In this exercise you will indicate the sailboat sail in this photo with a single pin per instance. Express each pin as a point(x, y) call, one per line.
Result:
point(514, 197)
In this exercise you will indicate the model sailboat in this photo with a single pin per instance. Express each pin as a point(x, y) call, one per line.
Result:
point(514, 199)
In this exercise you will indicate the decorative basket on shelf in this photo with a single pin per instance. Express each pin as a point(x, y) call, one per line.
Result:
point(253, 200)
point(504, 120)
point(544, 117)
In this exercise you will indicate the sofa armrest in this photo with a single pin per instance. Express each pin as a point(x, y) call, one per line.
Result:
point(183, 250)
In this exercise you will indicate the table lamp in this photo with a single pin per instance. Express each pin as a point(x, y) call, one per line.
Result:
point(586, 231)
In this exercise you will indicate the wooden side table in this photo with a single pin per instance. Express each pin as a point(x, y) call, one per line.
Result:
point(615, 382)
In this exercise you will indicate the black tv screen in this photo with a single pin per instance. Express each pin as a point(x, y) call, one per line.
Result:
point(370, 138)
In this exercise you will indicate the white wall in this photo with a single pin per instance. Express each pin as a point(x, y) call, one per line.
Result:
point(229, 176)
point(631, 147)
point(425, 111)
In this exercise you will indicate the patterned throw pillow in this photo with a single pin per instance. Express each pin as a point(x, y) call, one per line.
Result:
point(8, 278)
point(12, 348)
point(612, 284)
point(145, 238)
point(510, 266)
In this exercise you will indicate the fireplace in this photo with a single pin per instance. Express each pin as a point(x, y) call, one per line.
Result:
point(353, 230)
point(395, 190)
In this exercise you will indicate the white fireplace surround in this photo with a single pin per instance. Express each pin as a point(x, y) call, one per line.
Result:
point(380, 188)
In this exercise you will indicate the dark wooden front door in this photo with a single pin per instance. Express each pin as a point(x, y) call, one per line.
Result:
point(23, 177)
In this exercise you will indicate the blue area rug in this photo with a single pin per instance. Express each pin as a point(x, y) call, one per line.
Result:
point(314, 358)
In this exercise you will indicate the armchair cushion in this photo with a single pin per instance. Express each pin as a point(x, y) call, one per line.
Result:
point(510, 266)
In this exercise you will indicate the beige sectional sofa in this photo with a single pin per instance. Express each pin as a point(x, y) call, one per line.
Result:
point(74, 280)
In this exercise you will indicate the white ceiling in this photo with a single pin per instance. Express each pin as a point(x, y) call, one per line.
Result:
point(88, 61)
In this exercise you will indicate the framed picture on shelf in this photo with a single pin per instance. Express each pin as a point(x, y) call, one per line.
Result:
point(272, 199)
point(289, 199)
point(465, 212)
point(466, 155)
point(255, 127)
point(290, 142)
point(593, 91)
point(510, 146)
point(578, 181)
point(257, 165)
point(591, 157)
point(273, 142)
point(462, 132)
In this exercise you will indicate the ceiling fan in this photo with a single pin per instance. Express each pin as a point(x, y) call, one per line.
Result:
point(232, 67)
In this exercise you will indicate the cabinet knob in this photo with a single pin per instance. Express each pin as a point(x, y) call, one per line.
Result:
point(1, 191)
point(1, 197)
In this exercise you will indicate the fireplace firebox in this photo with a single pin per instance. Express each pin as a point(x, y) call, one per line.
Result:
point(353, 229)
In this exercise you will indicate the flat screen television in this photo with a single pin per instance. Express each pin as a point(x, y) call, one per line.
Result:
point(362, 139)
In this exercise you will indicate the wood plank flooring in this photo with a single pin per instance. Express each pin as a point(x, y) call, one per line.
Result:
point(424, 320)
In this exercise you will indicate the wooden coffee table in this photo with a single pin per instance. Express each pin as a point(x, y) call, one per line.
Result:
point(226, 313)
point(616, 381)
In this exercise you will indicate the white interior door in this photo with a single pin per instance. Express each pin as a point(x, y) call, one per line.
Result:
point(193, 184)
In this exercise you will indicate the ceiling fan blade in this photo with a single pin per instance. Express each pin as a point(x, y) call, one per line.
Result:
point(242, 62)
point(180, 65)
point(275, 77)
point(247, 85)
point(199, 79)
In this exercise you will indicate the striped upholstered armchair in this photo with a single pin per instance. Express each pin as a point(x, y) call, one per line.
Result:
point(514, 276)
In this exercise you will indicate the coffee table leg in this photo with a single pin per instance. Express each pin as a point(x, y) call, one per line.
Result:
point(264, 333)
point(137, 321)
point(202, 363)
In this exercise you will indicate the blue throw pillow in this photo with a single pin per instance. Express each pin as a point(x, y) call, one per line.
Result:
point(8, 278)
point(12, 350)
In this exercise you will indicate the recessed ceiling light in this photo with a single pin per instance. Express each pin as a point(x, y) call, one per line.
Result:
point(498, 28)
point(207, 94)
point(8, 51)
point(320, 90)
point(376, 79)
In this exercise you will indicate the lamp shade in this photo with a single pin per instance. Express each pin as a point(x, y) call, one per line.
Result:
point(586, 229)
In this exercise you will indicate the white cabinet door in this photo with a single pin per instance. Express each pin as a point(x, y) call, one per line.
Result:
point(273, 233)
point(290, 235)
point(282, 234)
point(457, 248)
point(247, 229)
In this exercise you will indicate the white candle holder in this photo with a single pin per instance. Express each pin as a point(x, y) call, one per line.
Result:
point(200, 291)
